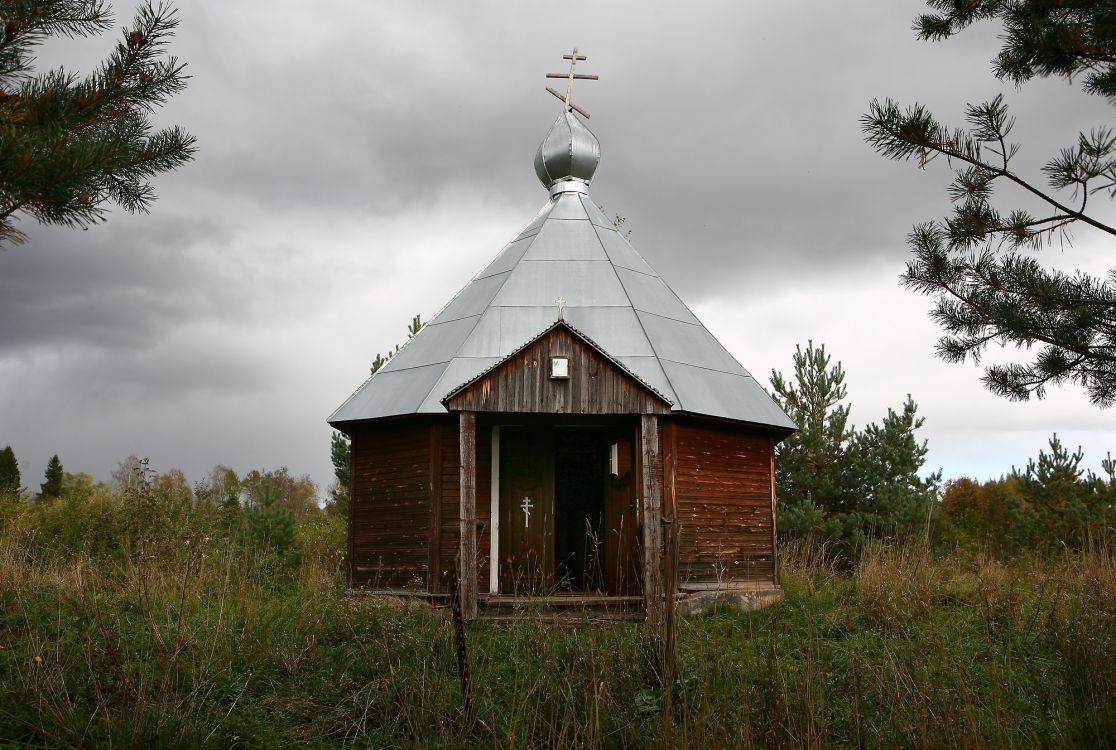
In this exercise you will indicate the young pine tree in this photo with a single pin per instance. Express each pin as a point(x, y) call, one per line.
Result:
point(9, 472)
point(836, 482)
point(812, 464)
point(1061, 503)
point(340, 454)
point(51, 488)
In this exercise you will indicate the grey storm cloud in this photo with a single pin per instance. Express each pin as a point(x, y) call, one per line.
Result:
point(353, 156)
point(106, 287)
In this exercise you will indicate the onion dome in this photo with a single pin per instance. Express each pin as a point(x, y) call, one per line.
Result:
point(568, 156)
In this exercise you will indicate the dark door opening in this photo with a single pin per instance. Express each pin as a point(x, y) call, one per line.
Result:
point(568, 510)
point(595, 506)
point(580, 468)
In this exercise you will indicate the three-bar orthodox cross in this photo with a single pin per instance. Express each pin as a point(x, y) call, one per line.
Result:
point(526, 505)
point(570, 78)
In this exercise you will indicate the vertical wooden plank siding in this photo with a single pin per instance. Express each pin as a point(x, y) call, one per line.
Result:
point(390, 507)
point(434, 569)
point(723, 485)
point(523, 384)
point(451, 500)
point(774, 518)
point(652, 518)
point(467, 557)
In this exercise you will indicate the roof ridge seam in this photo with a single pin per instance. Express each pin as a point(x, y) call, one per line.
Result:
point(713, 369)
point(596, 233)
point(698, 324)
point(653, 275)
point(630, 245)
point(418, 367)
point(687, 308)
point(454, 320)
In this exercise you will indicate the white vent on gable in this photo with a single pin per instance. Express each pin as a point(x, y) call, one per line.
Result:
point(559, 368)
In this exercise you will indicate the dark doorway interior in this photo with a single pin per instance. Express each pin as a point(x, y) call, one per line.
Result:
point(580, 472)
point(568, 510)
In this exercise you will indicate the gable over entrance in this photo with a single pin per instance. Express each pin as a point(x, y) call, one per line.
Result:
point(560, 371)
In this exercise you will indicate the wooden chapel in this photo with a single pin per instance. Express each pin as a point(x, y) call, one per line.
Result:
point(557, 421)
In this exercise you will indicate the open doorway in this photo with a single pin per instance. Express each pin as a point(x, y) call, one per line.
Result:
point(596, 513)
point(568, 515)
point(580, 471)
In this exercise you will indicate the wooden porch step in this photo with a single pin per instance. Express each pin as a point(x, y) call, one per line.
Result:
point(562, 608)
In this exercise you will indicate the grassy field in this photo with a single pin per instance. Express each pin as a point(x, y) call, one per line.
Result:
point(211, 648)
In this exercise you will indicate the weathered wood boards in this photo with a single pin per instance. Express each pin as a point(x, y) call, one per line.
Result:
point(526, 562)
point(390, 509)
point(723, 486)
point(523, 383)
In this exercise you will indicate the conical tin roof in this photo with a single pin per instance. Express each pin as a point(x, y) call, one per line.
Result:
point(572, 252)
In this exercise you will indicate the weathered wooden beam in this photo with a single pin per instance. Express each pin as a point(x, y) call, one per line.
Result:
point(351, 562)
point(774, 518)
point(652, 519)
point(467, 555)
point(670, 508)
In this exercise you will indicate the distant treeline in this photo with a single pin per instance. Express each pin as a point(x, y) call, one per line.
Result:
point(140, 511)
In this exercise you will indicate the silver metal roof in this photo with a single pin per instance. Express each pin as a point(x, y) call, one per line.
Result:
point(612, 296)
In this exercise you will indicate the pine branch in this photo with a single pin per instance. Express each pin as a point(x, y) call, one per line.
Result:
point(70, 147)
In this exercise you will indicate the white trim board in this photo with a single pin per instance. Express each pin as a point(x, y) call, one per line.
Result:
point(494, 519)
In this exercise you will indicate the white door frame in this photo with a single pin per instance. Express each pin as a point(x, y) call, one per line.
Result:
point(494, 518)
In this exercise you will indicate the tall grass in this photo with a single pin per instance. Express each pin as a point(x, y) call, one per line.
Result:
point(209, 646)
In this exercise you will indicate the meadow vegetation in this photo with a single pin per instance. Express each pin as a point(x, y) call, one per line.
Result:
point(153, 614)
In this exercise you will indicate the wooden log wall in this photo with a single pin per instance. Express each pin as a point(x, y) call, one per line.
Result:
point(390, 511)
point(722, 487)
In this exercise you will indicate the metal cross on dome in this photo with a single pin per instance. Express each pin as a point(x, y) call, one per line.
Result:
point(570, 78)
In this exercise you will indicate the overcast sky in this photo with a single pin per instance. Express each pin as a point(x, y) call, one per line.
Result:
point(360, 161)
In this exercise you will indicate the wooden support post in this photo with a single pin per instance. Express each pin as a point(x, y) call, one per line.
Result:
point(670, 509)
point(774, 517)
point(467, 556)
point(652, 519)
point(351, 562)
